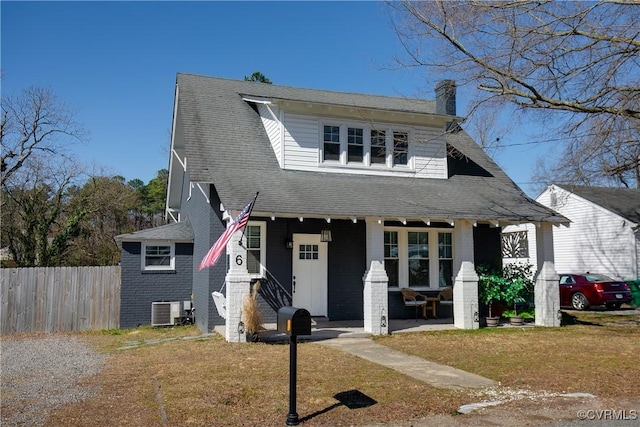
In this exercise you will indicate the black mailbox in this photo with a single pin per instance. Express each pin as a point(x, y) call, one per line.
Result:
point(294, 321)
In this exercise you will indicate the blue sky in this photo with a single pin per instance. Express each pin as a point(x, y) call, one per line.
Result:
point(115, 64)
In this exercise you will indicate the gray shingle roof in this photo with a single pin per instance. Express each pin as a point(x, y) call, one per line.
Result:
point(226, 144)
point(176, 232)
point(622, 201)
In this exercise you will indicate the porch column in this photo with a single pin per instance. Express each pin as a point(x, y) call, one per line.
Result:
point(376, 301)
point(547, 291)
point(238, 285)
point(465, 286)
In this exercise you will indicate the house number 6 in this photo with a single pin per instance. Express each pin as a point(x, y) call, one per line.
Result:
point(239, 260)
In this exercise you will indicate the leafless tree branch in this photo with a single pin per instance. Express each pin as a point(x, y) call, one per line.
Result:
point(581, 59)
point(36, 121)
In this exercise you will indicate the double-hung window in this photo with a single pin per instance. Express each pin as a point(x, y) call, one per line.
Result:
point(400, 148)
point(355, 145)
point(256, 250)
point(331, 148)
point(378, 147)
point(418, 258)
point(158, 256)
point(364, 146)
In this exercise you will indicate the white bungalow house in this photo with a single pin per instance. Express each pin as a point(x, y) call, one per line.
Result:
point(603, 236)
point(359, 196)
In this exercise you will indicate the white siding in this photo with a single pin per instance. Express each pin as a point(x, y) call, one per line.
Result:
point(430, 154)
point(597, 240)
point(273, 128)
point(301, 137)
point(300, 142)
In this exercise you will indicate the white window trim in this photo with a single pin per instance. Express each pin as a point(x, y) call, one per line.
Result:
point(434, 261)
point(143, 255)
point(389, 139)
point(263, 247)
point(366, 149)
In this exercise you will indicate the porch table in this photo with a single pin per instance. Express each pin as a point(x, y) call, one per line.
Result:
point(431, 307)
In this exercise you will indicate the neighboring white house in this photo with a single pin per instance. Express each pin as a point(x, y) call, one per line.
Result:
point(603, 237)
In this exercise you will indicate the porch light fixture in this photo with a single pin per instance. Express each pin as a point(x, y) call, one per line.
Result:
point(288, 244)
point(325, 235)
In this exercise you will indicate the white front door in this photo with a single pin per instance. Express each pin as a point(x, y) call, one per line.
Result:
point(309, 281)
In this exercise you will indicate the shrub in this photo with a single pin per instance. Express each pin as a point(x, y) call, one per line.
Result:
point(251, 314)
point(518, 286)
point(512, 284)
point(490, 283)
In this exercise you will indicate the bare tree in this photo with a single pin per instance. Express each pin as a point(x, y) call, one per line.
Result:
point(35, 121)
point(609, 156)
point(581, 59)
point(489, 132)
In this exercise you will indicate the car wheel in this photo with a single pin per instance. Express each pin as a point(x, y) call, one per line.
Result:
point(579, 301)
point(613, 305)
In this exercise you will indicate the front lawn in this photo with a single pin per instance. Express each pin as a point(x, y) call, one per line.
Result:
point(208, 382)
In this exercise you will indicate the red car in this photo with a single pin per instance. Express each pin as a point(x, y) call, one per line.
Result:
point(580, 291)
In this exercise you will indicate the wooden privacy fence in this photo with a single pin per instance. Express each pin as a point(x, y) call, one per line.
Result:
point(59, 299)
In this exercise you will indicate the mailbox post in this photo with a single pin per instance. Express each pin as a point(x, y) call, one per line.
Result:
point(293, 321)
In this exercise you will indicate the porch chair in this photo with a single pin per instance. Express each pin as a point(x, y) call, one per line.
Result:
point(446, 296)
point(415, 299)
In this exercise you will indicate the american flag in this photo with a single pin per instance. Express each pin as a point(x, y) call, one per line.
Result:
point(219, 246)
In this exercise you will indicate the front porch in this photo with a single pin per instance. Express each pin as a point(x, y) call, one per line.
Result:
point(323, 329)
point(380, 300)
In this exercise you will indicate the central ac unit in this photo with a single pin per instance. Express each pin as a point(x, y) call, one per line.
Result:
point(164, 313)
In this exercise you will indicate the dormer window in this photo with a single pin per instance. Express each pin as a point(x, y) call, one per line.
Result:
point(332, 143)
point(348, 145)
point(400, 148)
point(355, 145)
point(378, 147)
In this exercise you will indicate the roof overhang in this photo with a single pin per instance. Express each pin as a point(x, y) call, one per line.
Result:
point(360, 113)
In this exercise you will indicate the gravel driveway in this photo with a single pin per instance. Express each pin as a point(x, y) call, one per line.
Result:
point(41, 373)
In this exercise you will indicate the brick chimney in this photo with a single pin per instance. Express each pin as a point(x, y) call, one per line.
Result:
point(446, 97)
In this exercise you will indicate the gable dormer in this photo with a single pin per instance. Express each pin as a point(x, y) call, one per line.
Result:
point(395, 137)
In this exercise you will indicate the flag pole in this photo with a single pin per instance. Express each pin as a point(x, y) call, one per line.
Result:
point(248, 217)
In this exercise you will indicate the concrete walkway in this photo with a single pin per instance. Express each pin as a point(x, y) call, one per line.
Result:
point(350, 337)
point(435, 374)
